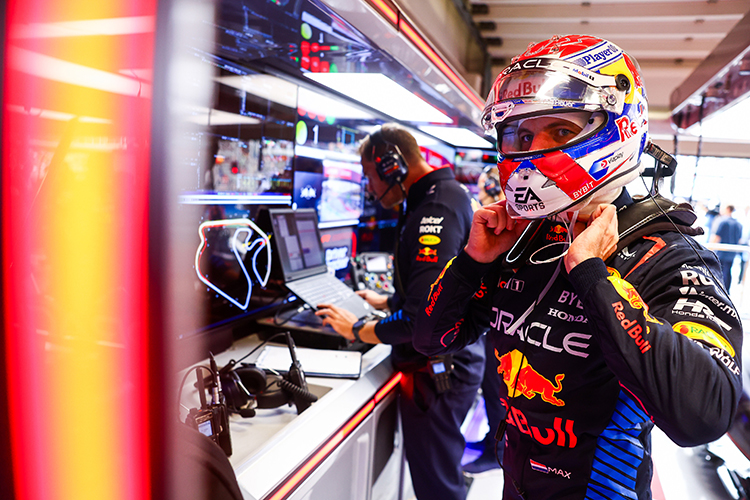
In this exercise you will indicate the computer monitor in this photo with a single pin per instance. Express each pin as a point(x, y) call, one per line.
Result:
point(296, 238)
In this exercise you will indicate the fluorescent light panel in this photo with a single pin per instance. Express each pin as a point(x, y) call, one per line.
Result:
point(380, 92)
point(267, 87)
point(55, 69)
point(457, 136)
point(204, 116)
point(325, 106)
point(90, 27)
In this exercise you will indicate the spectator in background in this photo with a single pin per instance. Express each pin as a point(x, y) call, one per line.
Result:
point(729, 231)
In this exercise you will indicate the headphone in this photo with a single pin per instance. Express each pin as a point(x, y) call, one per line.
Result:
point(247, 387)
point(390, 165)
point(492, 183)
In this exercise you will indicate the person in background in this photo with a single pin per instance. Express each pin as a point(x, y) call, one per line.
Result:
point(437, 392)
point(488, 185)
point(597, 339)
point(491, 455)
point(728, 230)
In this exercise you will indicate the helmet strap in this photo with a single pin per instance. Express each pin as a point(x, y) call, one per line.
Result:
point(568, 219)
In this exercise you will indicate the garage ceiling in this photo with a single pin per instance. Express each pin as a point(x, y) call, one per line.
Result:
point(669, 38)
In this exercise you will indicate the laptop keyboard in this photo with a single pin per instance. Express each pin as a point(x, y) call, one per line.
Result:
point(322, 291)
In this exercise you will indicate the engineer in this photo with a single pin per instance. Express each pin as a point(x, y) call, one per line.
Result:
point(597, 339)
point(434, 225)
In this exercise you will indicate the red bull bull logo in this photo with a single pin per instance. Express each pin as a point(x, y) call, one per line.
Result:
point(517, 371)
point(427, 254)
point(629, 293)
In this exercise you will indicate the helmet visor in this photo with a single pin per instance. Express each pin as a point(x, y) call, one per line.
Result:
point(514, 92)
point(547, 132)
point(543, 85)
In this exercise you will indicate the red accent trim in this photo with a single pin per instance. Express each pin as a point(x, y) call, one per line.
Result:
point(639, 401)
point(407, 29)
point(386, 10)
point(307, 467)
point(654, 250)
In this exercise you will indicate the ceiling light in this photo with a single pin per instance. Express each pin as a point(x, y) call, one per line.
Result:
point(55, 115)
point(267, 87)
point(90, 27)
point(380, 92)
point(213, 117)
point(52, 68)
point(458, 137)
point(321, 105)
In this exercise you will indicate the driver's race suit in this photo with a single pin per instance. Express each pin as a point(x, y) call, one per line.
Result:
point(592, 360)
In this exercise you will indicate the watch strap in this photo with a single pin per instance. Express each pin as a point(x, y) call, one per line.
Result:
point(356, 327)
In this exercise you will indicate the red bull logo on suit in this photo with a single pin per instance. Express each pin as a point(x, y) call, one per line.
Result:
point(516, 371)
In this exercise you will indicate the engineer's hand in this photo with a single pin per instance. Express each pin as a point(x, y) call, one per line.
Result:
point(376, 300)
point(599, 239)
point(493, 232)
point(339, 319)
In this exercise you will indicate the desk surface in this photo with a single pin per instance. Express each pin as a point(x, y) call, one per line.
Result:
point(267, 447)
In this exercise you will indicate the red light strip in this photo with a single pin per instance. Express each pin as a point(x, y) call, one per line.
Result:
point(335, 440)
point(411, 33)
point(386, 10)
point(432, 56)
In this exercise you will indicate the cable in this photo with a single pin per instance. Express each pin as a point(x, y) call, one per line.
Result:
point(297, 311)
point(232, 362)
point(184, 378)
point(295, 389)
point(687, 240)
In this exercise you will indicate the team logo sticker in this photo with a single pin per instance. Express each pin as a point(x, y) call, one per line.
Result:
point(427, 254)
point(629, 293)
point(516, 371)
point(429, 239)
point(696, 331)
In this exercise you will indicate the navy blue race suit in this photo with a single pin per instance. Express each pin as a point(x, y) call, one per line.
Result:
point(436, 227)
point(607, 352)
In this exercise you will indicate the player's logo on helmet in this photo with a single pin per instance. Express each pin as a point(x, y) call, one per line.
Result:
point(570, 116)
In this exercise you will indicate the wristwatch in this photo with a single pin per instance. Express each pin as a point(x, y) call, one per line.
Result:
point(356, 327)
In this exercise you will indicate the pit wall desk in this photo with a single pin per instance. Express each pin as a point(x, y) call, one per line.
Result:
point(345, 446)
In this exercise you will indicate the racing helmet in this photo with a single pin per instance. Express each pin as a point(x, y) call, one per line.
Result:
point(571, 120)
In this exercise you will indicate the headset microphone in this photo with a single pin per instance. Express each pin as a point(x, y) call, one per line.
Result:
point(297, 377)
point(371, 198)
point(211, 419)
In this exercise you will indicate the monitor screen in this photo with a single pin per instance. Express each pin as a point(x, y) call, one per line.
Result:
point(296, 240)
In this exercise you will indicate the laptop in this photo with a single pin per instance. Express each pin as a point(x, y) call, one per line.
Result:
point(296, 239)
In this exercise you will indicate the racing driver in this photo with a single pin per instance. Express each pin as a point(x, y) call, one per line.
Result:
point(607, 318)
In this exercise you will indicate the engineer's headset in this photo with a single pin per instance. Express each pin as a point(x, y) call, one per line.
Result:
point(389, 162)
point(247, 387)
point(492, 183)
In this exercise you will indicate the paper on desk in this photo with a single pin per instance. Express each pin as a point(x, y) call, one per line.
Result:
point(315, 362)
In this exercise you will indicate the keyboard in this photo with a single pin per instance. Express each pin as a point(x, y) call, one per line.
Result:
point(316, 291)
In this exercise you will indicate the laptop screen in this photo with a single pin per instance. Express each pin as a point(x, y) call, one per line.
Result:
point(296, 240)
